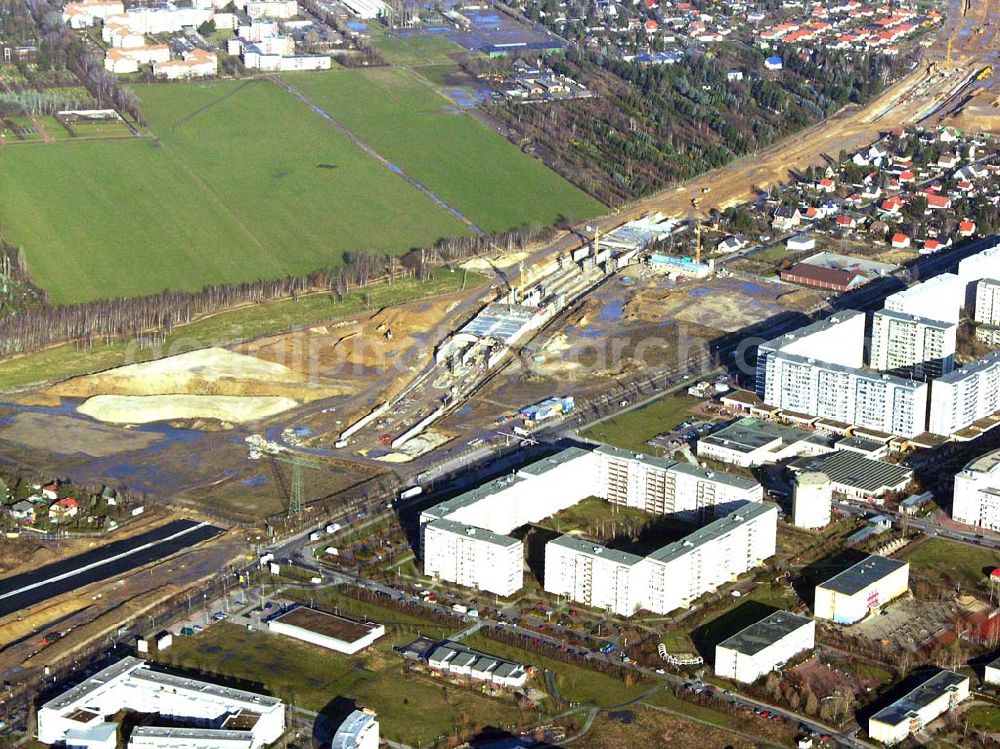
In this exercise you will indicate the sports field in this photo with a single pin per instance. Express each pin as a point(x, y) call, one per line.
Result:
point(244, 182)
point(472, 168)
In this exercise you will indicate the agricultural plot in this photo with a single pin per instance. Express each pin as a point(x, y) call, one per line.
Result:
point(243, 182)
point(472, 169)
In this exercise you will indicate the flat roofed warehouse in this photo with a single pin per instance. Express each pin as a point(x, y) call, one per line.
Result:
point(749, 442)
point(760, 648)
point(909, 714)
point(847, 598)
point(326, 630)
point(855, 475)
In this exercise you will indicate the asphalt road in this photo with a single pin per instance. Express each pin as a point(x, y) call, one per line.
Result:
point(117, 558)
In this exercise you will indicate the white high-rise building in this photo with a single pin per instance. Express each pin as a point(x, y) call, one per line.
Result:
point(872, 400)
point(595, 575)
point(465, 540)
point(666, 487)
point(669, 578)
point(987, 304)
point(940, 298)
point(839, 339)
point(912, 346)
point(966, 395)
point(762, 647)
point(474, 557)
point(977, 492)
point(812, 500)
point(985, 264)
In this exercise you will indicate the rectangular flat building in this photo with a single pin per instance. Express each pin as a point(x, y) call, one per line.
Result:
point(847, 597)
point(751, 442)
point(474, 557)
point(966, 395)
point(326, 630)
point(854, 475)
point(909, 714)
point(760, 648)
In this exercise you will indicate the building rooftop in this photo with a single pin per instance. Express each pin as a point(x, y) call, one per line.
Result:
point(227, 694)
point(729, 479)
point(821, 326)
point(652, 460)
point(859, 576)
point(186, 735)
point(988, 463)
point(713, 531)
point(545, 465)
point(901, 710)
point(590, 548)
point(748, 435)
point(971, 369)
point(766, 632)
point(860, 444)
point(481, 534)
point(473, 496)
point(351, 729)
point(852, 469)
point(323, 623)
point(907, 317)
point(93, 683)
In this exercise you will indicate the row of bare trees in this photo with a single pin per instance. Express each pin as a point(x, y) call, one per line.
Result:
point(148, 319)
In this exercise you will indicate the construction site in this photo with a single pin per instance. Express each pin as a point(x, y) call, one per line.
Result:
point(356, 407)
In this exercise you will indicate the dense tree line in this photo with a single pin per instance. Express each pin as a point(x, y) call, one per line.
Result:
point(651, 125)
point(148, 319)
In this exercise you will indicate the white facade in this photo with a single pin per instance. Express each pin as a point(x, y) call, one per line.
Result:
point(840, 339)
point(465, 539)
point(326, 630)
point(760, 648)
point(669, 578)
point(474, 557)
point(940, 298)
point(912, 346)
point(848, 597)
point(987, 304)
point(367, 9)
point(812, 500)
point(194, 64)
point(154, 737)
point(911, 713)
point(992, 673)
point(966, 395)
point(666, 487)
point(595, 576)
point(977, 493)
point(272, 8)
point(130, 684)
point(749, 442)
point(871, 400)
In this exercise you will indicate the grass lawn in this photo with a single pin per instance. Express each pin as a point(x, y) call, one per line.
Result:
point(595, 517)
point(983, 718)
point(411, 708)
point(416, 49)
point(222, 329)
point(936, 559)
point(474, 170)
point(632, 430)
point(234, 189)
point(576, 683)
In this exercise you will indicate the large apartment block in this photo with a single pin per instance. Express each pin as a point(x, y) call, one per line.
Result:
point(671, 577)
point(466, 539)
point(872, 400)
point(977, 493)
point(987, 303)
point(912, 346)
point(474, 557)
point(666, 487)
point(966, 395)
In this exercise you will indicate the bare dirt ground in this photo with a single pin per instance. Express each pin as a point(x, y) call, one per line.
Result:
point(65, 435)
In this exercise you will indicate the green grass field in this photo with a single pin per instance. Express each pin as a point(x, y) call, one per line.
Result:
point(474, 170)
point(420, 49)
point(983, 718)
point(937, 558)
point(633, 429)
point(233, 190)
point(414, 709)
